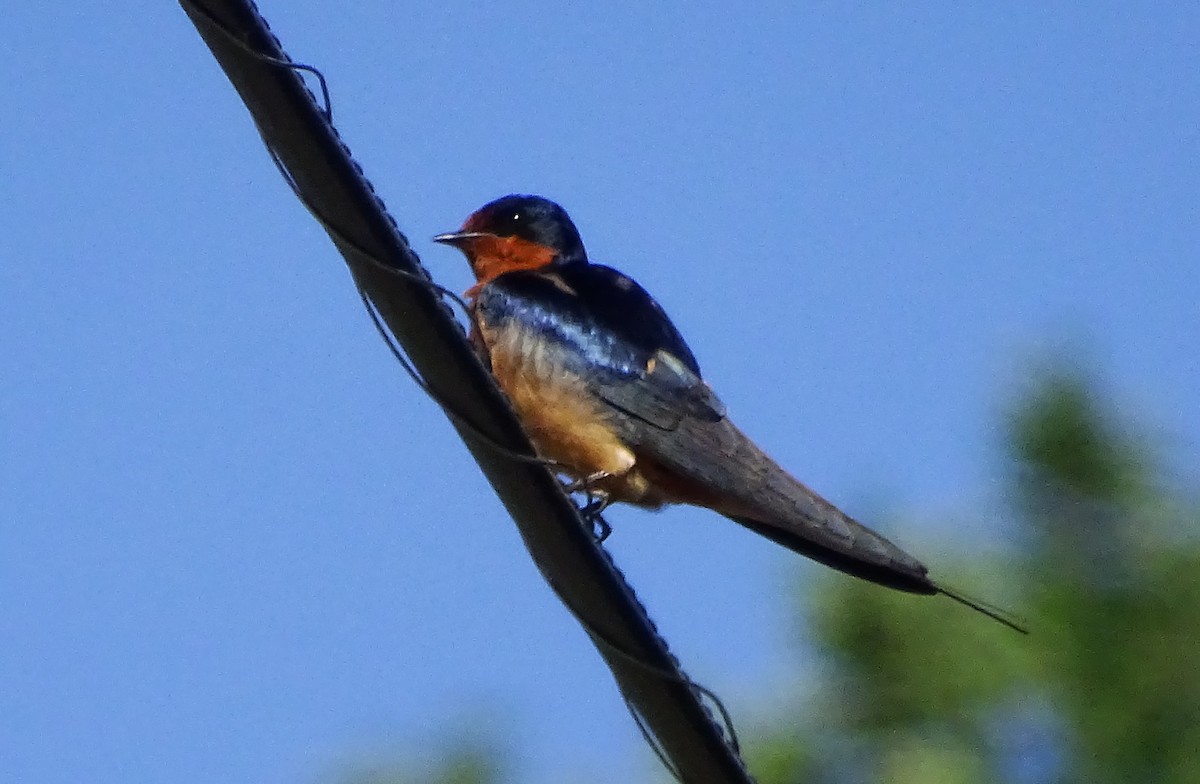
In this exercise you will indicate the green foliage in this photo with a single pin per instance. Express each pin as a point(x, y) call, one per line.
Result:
point(778, 753)
point(1065, 442)
point(1106, 689)
point(1116, 579)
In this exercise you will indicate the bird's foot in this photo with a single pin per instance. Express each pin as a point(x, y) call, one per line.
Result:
point(598, 500)
point(600, 527)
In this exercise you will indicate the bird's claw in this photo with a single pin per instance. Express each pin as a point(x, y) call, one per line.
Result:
point(600, 527)
point(597, 501)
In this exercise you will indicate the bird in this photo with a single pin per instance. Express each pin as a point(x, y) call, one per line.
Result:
point(608, 390)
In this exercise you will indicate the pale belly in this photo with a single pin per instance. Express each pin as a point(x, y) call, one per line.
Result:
point(564, 420)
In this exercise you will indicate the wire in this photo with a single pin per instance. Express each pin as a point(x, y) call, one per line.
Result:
point(327, 103)
point(675, 674)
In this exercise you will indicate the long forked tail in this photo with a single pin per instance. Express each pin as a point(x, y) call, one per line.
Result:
point(875, 559)
point(858, 551)
point(714, 464)
point(998, 614)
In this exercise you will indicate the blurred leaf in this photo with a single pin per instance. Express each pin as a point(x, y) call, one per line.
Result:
point(1067, 444)
point(780, 756)
point(1106, 689)
point(930, 761)
point(901, 660)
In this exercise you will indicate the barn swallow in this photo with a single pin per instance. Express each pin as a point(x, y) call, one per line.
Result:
point(606, 387)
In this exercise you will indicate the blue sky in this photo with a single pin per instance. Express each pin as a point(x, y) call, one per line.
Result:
point(239, 545)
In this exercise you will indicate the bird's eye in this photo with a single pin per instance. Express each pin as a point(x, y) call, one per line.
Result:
point(510, 222)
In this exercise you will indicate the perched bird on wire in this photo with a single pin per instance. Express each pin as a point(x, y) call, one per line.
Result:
point(607, 388)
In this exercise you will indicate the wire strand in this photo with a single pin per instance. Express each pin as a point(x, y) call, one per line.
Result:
point(675, 675)
point(326, 101)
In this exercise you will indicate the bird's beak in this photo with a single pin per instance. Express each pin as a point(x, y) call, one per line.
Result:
point(459, 238)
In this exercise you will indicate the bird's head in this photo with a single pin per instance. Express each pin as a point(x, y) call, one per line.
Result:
point(516, 232)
